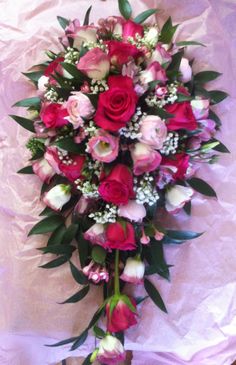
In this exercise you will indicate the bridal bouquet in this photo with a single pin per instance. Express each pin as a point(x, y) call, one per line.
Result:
point(121, 124)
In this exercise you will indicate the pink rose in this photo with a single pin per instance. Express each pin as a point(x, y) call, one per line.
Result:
point(96, 234)
point(153, 131)
point(179, 165)
point(51, 155)
point(131, 29)
point(53, 115)
point(95, 64)
point(160, 55)
point(152, 73)
point(72, 169)
point(145, 159)
point(121, 53)
point(200, 108)
point(132, 211)
point(185, 70)
point(43, 170)
point(80, 34)
point(79, 106)
point(104, 147)
point(176, 197)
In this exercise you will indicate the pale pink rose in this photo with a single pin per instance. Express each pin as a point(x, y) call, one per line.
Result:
point(104, 146)
point(185, 70)
point(133, 271)
point(153, 72)
point(145, 158)
point(160, 55)
point(153, 131)
point(132, 211)
point(110, 351)
point(51, 155)
point(176, 197)
point(95, 64)
point(43, 170)
point(81, 34)
point(200, 108)
point(96, 234)
point(58, 196)
point(79, 106)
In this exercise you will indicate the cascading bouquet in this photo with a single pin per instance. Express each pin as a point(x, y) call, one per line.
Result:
point(121, 125)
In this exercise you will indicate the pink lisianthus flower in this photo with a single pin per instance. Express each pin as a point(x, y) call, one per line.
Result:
point(153, 131)
point(104, 147)
point(96, 272)
point(185, 70)
point(96, 234)
point(200, 108)
point(53, 115)
point(112, 24)
point(153, 72)
point(79, 106)
point(51, 155)
point(133, 271)
point(145, 158)
point(132, 211)
point(43, 170)
point(95, 64)
point(58, 196)
point(176, 197)
point(160, 55)
point(110, 351)
point(208, 129)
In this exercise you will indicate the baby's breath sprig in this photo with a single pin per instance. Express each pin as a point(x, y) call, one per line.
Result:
point(71, 55)
point(145, 190)
point(132, 128)
point(170, 144)
point(153, 100)
point(108, 215)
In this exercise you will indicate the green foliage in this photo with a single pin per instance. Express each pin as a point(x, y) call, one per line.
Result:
point(86, 18)
point(63, 22)
point(125, 8)
point(47, 225)
point(99, 254)
point(144, 16)
point(24, 122)
point(29, 102)
point(206, 76)
point(189, 43)
point(154, 295)
point(202, 187)
point(78, 296)
point(78, 275)
point(217, 96)
point(55, 263)
point(168, 31)
point(69, 145)
point(26, 170)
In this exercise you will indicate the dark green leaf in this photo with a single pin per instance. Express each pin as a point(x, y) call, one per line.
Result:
point(55, 263)
point(206, 76)
point(175, 62)
point(145, 15)
point(167, 32)
point(80, 340)
point(125, 8)
point(78, 275)
point(47, 212)
point(183, 235)
point(96, 317)
point(214, 117)
point(160, 112)
point(26, 103)
point(220, 147)
point(139, 300)
point(158, 259)
point(201, 91)
point(25, 123)
point(70, 234)
point(83, 248)
point(63, 22)
point(78, 296)
point(48, 224)
point(87, 360)
point(189, 43)
point(183, 97)
point(99, 254)
point(187, 207)
point(69, 145)
point(63, 342)
point(57, 235)
point(201, 186)
point(58, 249)
point(26, 170)
point(86, 18)
point(33, 76)
point(154, 295)
point(94, 99)
point(73, 71)
point(99, 333)
point(121, 337)
point(217, 96)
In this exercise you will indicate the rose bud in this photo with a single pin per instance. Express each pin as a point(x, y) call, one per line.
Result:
point(152, 73)
point(82, 207)
point(43, 81)
point(79, 106)
point(123, 315)
point(72, 168)
point(144, 238)
point(161, 91)
point(95, 64)
point(53, 115)
point(176, 197)
point(160, 55)
point(103, 147)
point(58, 196)
point(110, 351)
point(96, 234)
point(54, 66)
point(121, 237)
point(132, 29)
point(43, 170)
point(180, 162)
point(145, 159)
point(200, 108)
point(133, 271)
point(132, 211)
point(153, 131)
point(185, 70)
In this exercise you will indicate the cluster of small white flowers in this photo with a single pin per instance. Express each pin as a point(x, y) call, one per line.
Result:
point(88, 189)
point(108, 215)
point(71, 55)
point(147, 40)
point(170, 144)
point(90, 129)
point(94, 167)
point(132, 128)
point(98, 86)
point(91, 45)
point(51, 95)
point(153, 100)
point(145, 191)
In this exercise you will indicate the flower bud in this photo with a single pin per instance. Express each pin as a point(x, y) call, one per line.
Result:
point(58, 196)
point(110, 351)
point(133, 271)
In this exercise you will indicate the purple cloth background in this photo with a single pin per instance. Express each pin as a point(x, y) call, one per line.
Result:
point(200, 328)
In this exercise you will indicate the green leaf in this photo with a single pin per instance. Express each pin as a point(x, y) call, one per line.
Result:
point(154, 295)
point(86, 18)
point(167, 32)
point(80, 340)
point(175, 62)
point(99, 254)
point(183, 235)
point(83, 248)
point(33, 76)
point(183, 97)
point(26, 170)
point(70, 234)
point(158, 259)
point(217, 96)
point(26, 103)
point(55, 263)
point(125, 8)
point(58, 249)
point(94, 99)
point(160, 112)
point(25, 123)
point(202, 187)
point(47, 212)
point(78, 275)
point(48, 224)
point(99, 333)
point(78, 296)
point(87, 361)
point(69, 145)
point(63, 22)
point(220, 147)
point(214, 117)
point(57, 235)
point(206, 76)
point(63, 342)
point(96, 317)
point(189, 43)
point(187, 207)
point(73, 71)
point(145, 15)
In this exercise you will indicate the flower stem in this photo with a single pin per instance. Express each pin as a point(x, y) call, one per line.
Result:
point(117, 280)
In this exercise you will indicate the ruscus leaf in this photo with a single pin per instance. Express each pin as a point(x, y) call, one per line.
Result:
point(217, 96)
point(26, 170)
point(145, 15)
point(78, 275)
point(24, 122)
point(63, 22)
point(78, 296)
point(206, 76)
point(86, 18)
point(125, 8)
point(154, 295)
point(55, 263)
point(47, 225)
point(202, 187)
point(80, 340)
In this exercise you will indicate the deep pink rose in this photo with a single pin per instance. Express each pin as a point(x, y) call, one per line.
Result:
point(53, 115)
point(130, 29)
point(145, 158)
point(104, 147)
point(183, 117)
point(116, 105)
point(95, 64)
point(122, 317)
point(180, 161)
point(72, 169)
point(121, 53)
point(54, 66)
point(117, 187)
point(121, 237)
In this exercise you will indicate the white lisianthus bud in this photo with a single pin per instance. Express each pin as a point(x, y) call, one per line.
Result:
point(133, 271)
point(110, 351)
point(58, 196)
point(42, 82)
point(185, 70)
point(176, 197)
